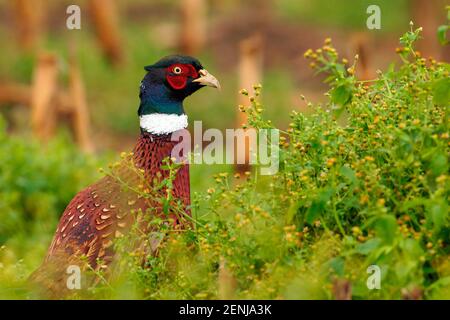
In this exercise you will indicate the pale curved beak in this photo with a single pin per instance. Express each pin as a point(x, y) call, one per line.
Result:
point(207, 79)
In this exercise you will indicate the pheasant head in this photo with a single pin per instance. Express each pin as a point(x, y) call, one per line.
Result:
point(163, 90)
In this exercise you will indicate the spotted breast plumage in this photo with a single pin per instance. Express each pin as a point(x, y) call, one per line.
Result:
point(106, 209)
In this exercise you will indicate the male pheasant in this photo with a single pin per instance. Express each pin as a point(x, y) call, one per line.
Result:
point(103, 211)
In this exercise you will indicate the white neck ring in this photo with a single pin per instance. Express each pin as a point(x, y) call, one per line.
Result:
point(161, 123)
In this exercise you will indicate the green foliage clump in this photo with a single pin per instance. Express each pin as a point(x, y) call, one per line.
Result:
point(363, 181)
point(36, 184)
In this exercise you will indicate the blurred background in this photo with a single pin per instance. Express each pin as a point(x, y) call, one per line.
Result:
point(242, 42)
point(76, 91)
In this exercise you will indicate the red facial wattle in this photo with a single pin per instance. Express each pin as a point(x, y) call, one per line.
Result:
point(177, 75)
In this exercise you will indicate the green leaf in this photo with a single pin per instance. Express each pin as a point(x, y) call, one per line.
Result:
point(441, 92)
point(292, 211)
point(348, 173)
point(337, 265)
point(437, 212)
point(314, 211)
point(412, 36)
point(340, 68)
point(318, 205)
point(442, 282)
point(442, 34)
point(368, 246)
point(412, 248)
point(341, 95)
point(166, 206)
point(438, 164)
point(405, 268)
point(385, 228)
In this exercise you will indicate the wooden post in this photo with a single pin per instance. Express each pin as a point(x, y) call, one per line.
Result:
point(226, 282)
point(193, 26)
point(342, 289)
point(80, 114)
point(43, 110)
point(29, 17)
point(361, 43)
point(426, 15)
point(15, 93)
point(250, 73)
point(104, 17)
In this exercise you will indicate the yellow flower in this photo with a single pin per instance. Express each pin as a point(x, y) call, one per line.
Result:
point(356, 231)
point(441, 178)
point(364, 199)
point(331, 162)
point(307, 53)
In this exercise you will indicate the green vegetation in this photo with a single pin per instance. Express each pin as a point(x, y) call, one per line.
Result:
point(346, 14)
point(36, 184)
point(371, 191)
point(363, 180)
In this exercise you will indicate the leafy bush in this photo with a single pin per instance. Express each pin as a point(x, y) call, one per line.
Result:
point(363, 181)
point(36, 184)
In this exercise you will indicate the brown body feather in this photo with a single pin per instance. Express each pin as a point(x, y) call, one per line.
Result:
point(103, 211)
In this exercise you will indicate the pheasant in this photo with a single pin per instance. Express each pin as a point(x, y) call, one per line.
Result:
point(103, 211)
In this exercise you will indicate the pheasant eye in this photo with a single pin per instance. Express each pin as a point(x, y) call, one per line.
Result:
point(177, 70)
